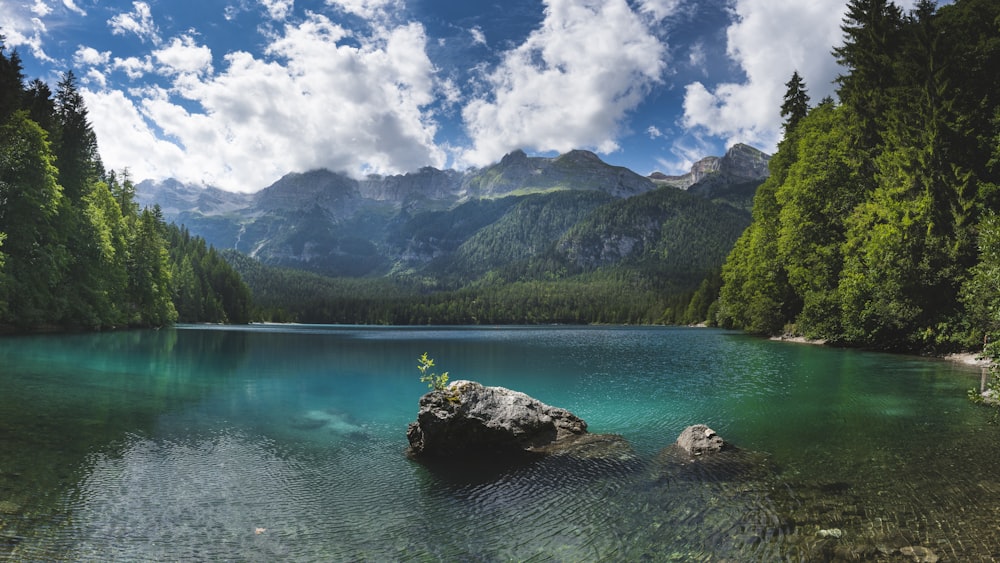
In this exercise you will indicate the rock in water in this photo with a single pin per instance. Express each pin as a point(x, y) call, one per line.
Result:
point(468, 419)
point(700, 439)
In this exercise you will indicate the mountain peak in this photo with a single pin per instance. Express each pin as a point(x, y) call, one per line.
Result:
point(513, 157)
point(740, 163)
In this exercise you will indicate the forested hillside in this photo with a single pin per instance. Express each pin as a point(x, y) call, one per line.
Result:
point(878, 226)
point(76, 251)
point(562, 257)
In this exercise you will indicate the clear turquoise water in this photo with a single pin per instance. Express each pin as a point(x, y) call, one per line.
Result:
point(273, 443)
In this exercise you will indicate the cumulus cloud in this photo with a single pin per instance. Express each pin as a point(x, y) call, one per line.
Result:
point(21, 26)
point(134, 67)
point(570, 85)
point(319, 96)
point(139, 21)
point(769, 39)
point(90, 56)
point(660, 9)
point(138, 147)
point(278, 9)
point(41, 9)
point(183, 55)
point(654, 132)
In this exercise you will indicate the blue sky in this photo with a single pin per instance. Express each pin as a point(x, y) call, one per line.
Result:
point(237, 93)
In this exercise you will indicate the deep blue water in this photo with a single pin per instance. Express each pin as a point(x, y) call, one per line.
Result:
point(283, 442)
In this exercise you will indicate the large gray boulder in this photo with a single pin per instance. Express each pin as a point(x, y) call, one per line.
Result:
point(700, 439)
point(468, 419)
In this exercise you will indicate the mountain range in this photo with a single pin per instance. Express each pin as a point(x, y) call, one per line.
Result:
point(523, 217)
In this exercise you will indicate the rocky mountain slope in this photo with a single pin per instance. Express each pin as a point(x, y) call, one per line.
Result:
point(521, 217)
point(741, 164)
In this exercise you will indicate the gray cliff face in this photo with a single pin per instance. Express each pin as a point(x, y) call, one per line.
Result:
point(744, 161)
point(468, 419)
point(741, 163)
point(335, 194)
point(426, 185)
point(575, 170)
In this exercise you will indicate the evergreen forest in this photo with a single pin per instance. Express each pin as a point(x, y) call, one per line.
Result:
point(878, 226)
point(76, 251)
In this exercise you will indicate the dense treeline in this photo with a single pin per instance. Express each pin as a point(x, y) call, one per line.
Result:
point(877, 225)
point(614, 296)
point(75, 249)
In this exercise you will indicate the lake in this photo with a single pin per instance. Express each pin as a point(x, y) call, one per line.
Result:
point(267, 443)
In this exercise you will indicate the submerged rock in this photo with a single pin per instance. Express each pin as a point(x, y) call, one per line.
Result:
point(699, 454)
point(586, 446)
point(919, 553)
point(835, 533)
point(468, 419)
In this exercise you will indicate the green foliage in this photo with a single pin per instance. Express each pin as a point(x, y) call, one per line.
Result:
point(206, 289)
point(434, 381)
point(865, 233)
point(76, 250)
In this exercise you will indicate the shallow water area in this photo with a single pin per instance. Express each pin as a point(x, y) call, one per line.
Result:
point(286, 442)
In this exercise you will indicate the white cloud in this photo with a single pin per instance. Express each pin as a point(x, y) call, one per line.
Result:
point(769, 39)
point(654, 132)
point(96, 78)
point(478, 37)
point(278, 9)
point(127, 139)
point(183, 55)
point(697, 57)
point(21, 27)
point(71, 6)
point(139, 21)
point(318, 97)
point(570, 85)
point(368, 9)
point(91, 56)
point(41, 9)
point(660, 9)
point(134, 67)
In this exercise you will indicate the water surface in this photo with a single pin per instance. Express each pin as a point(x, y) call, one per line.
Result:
point(287, 442)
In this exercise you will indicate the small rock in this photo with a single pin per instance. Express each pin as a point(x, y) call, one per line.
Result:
point(919, 553)
point(835, 533)
point(9, 507)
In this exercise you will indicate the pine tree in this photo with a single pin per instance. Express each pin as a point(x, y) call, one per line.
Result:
point(871, 42)
point(76, 146)
point(30, 203)
point(11, 82)
point(796, 103)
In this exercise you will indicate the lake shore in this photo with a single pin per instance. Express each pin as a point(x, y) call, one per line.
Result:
point(966, 358)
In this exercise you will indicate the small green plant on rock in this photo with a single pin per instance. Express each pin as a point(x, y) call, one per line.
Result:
point(434, 381)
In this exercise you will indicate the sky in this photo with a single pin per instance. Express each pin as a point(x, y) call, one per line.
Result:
point(237, 93)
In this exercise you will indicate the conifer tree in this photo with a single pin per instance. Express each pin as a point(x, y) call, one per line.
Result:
point(30, 203)
point(76, 146)
point(796, 103)
point(11, 82)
